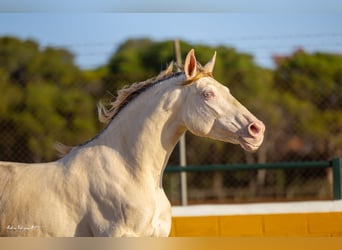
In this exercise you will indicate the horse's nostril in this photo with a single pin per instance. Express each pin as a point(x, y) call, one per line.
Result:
point(255, 129)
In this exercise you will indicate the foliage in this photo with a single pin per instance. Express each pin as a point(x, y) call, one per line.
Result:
point(43, 100)
point(312, 97)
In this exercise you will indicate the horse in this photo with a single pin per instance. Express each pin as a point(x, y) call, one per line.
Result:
point(112, 184)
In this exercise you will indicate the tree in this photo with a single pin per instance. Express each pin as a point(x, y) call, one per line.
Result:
point(137, 60)
point(311, 86)
point(45, 100)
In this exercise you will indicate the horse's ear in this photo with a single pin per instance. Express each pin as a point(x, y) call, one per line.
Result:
point(209, 67)
point(190, 65)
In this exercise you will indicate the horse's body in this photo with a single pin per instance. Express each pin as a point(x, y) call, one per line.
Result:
point(112, 185)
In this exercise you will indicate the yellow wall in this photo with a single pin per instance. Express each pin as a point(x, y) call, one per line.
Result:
point(292, 224)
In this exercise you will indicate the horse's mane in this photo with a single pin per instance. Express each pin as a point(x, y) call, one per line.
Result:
point(128, 93)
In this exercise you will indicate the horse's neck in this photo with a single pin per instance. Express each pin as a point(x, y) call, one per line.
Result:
point(145, 132)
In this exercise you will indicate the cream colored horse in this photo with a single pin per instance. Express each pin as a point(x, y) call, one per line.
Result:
point(112, 185)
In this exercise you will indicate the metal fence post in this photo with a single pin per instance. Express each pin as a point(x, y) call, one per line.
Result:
point(182, 149)
point(337, 178)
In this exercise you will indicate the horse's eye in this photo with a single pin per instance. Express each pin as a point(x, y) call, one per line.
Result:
point(207, 94)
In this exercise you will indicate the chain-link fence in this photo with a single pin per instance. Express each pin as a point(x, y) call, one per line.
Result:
point(46, 98)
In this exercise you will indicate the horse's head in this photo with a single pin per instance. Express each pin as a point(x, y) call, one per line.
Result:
point(211, 111)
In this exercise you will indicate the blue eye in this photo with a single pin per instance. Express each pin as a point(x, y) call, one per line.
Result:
point(208, 94)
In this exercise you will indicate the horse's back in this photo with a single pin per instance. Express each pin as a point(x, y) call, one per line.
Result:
point(11, 175)
point(8, 173)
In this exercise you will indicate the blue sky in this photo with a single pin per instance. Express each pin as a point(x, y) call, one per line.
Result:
point(261, 30)
point(171, 6)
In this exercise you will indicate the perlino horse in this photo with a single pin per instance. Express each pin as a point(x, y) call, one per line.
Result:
point(112, 185)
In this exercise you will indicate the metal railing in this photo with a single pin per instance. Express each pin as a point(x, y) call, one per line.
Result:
point(335, 164)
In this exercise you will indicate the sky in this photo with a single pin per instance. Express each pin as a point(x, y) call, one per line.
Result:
point(93, 32)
